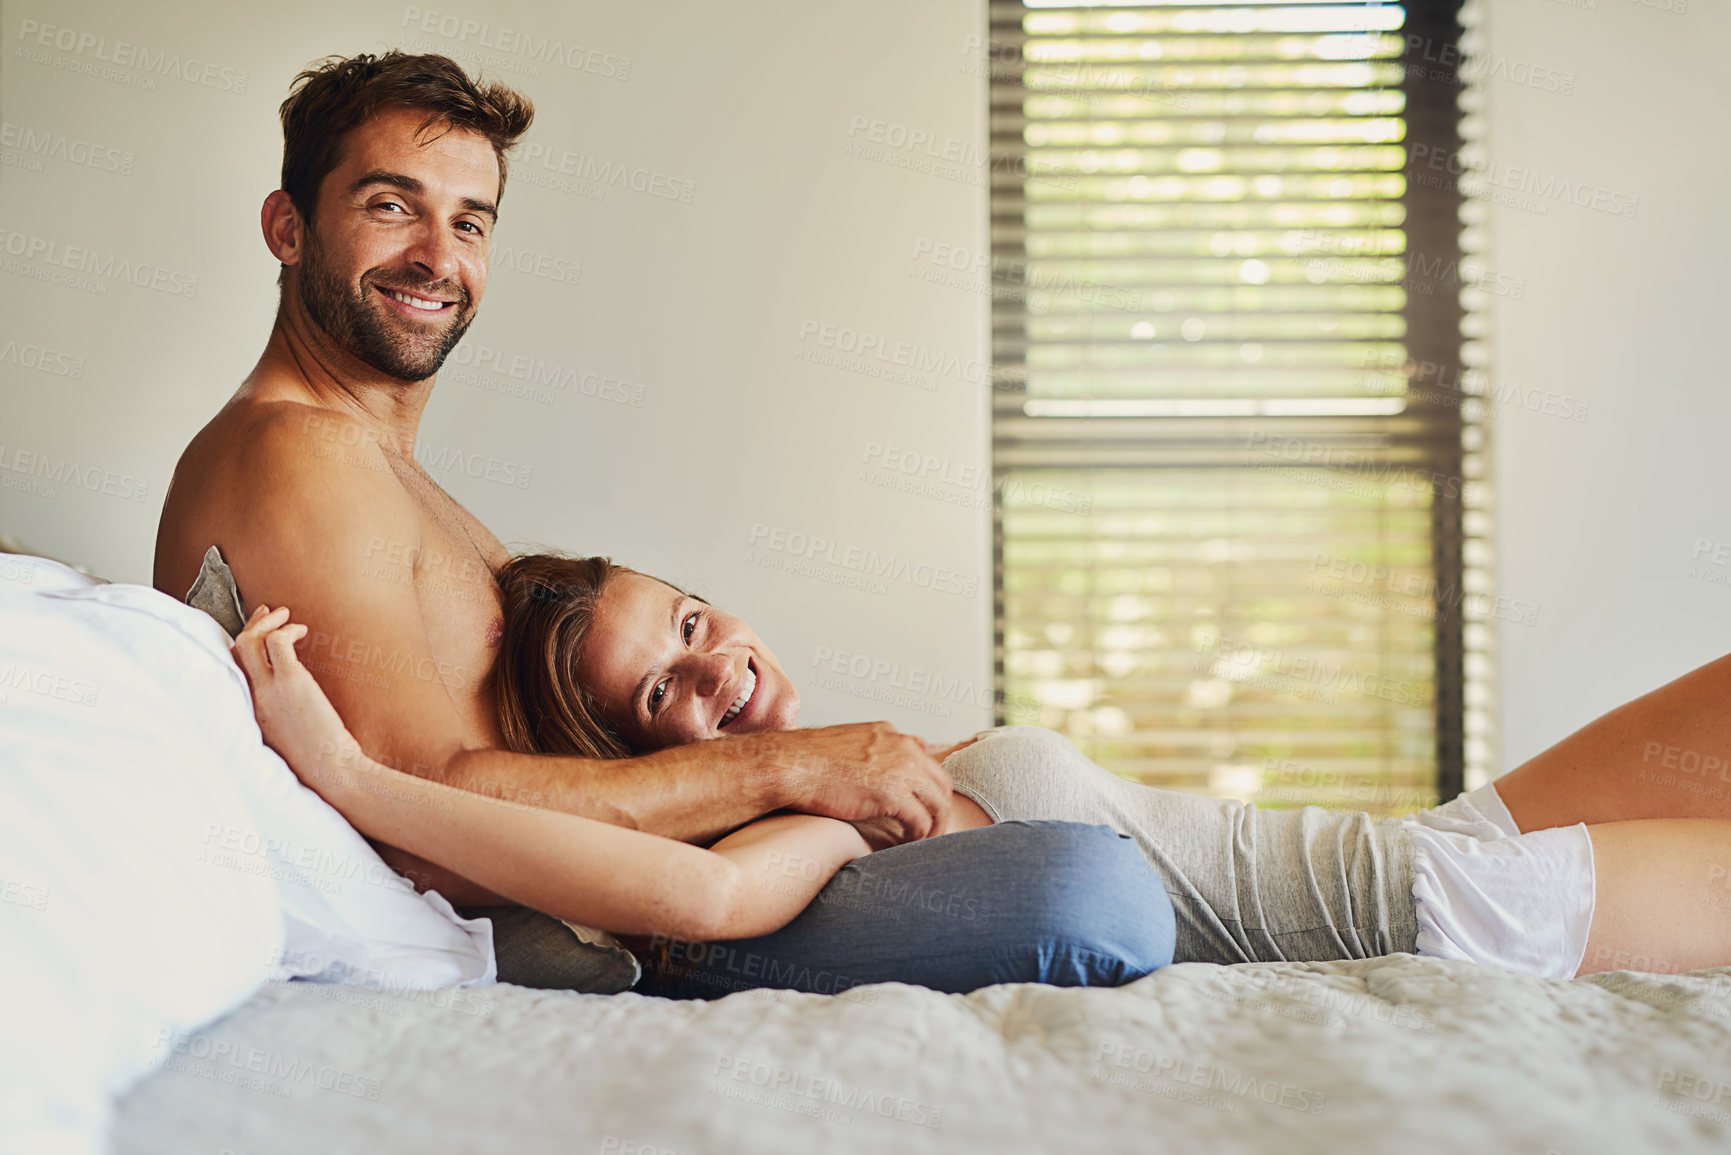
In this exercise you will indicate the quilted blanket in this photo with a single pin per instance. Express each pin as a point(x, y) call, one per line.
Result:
point(1396, 1054)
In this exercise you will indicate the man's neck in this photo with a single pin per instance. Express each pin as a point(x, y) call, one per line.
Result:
point(300, 354)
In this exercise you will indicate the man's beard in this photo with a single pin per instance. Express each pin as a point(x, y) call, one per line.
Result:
point(355, 321)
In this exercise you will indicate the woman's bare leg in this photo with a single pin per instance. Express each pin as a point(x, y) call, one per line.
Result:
point(1663, 899)
point(1664, 755)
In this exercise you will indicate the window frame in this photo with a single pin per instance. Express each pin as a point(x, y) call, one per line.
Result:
point(1432, 83)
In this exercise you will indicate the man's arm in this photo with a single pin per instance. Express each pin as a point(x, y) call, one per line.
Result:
point(856, 772)
point(318, 533)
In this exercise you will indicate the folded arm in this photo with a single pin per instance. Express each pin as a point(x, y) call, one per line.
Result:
point(752, 882)
point(397, 649)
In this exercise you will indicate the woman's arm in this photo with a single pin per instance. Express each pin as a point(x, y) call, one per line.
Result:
point(752, 882)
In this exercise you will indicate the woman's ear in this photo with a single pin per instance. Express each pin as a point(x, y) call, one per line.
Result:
point(283, 227)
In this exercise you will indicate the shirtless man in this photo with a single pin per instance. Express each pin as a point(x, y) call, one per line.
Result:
point(393, 169)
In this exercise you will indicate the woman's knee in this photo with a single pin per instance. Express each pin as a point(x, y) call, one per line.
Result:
point(1052, 902)
point(1089, 899)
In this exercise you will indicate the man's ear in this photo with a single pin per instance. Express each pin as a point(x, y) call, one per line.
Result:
point(283, 227)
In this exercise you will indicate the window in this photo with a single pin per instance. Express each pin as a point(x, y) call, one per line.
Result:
point(1239, 519)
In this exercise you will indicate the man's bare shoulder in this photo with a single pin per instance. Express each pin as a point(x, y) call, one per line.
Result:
point(265, 479)
point(298, 440)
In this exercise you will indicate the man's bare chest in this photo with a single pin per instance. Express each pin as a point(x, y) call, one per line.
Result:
point(450, 567)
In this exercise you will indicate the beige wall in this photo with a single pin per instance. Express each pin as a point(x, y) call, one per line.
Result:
point(696, 424)
point(1602, 519)
point(710, 317)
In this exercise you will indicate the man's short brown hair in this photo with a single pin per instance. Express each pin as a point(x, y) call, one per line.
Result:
point(326, 102)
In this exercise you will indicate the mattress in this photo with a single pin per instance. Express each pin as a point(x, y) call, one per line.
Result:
point(1392, 1054)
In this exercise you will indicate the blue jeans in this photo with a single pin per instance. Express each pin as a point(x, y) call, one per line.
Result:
point(1018, 902)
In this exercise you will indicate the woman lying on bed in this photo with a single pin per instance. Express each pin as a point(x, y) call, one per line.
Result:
point(1580, 861)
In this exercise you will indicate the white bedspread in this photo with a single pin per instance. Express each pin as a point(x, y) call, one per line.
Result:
point(130, 763)
point(1387, 1055)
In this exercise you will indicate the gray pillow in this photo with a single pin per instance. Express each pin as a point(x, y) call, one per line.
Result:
point(214, 592)
point(533, 949)
point(538, 950)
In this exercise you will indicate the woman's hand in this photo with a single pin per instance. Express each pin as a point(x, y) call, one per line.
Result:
point(296, 718)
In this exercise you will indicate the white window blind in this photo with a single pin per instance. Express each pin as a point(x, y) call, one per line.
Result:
point(1228, 419)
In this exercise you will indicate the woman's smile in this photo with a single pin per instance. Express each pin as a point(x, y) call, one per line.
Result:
point(668, 668)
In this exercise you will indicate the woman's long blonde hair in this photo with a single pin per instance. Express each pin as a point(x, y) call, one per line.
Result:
point(549, 605)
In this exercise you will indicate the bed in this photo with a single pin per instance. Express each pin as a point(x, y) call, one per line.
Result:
point(1394, 1054)
point(156, 1003)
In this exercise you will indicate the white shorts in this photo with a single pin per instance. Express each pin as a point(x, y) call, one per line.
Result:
point(1487, 893)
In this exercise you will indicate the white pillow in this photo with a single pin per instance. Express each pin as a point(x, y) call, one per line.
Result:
point(157, 859)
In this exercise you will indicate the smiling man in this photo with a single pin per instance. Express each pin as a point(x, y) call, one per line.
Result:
point(393, 171)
